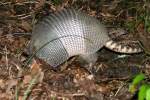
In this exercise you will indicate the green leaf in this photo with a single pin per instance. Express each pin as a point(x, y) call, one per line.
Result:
point(138, 79)
point(148, 94)
point(135, 82)
point(142, 92)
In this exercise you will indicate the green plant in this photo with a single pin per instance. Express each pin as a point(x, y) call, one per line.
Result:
point(144, 90)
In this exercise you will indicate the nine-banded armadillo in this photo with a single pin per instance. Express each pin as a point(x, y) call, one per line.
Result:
point(68, 33)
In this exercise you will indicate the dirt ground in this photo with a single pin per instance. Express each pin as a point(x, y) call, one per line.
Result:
point(108, 79)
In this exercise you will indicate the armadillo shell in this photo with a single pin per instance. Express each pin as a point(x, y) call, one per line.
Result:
point(67, 33)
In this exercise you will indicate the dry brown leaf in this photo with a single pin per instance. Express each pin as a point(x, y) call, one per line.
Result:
point(35, 68)
point(39, 4)
point(2, 83)
point(20, 98)
point(103, 88)
point(26, 26)
point(90, 86)
point(11, 83)
point(140, 27)
point(107, 15)
point(92, 13)
point(5, 96)
point(3, 59)
point(10, 37)
point(1, 32)
point(20, 1)
point(27, 79)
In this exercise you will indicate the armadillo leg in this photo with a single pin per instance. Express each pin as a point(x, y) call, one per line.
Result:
point(88, 61)
point(92, 58)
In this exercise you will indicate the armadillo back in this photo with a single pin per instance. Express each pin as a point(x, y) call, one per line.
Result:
point(67, 33)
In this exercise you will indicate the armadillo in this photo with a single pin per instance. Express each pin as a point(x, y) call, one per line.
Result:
point(69, 32)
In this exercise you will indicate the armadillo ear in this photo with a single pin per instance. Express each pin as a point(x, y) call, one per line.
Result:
point(117, 47)
point(91, 58)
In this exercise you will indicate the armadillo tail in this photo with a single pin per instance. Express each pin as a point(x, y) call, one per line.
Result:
point(112, 45)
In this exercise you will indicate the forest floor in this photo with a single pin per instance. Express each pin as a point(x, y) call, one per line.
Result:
point(108, 79)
